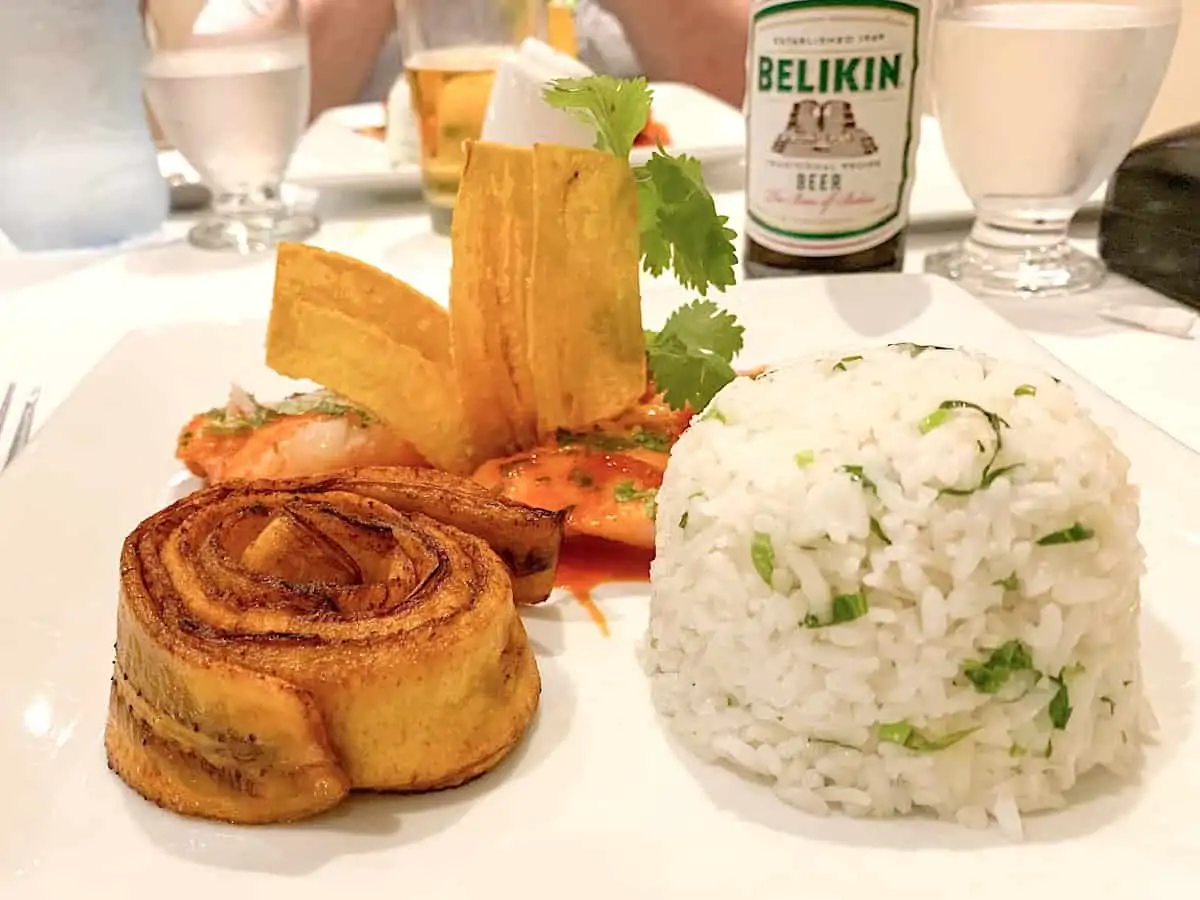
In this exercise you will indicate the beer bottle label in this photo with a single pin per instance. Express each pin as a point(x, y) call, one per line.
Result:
point(833, 121)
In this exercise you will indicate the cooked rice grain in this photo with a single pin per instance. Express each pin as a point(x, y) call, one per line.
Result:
point(852, 598)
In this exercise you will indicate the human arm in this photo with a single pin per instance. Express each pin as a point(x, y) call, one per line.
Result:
point(699, 42)
point(345, 37)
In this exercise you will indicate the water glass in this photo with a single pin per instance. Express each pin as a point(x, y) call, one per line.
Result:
point(1038, 102)
point(229, 86)
point(451, 53)
point(77, 167)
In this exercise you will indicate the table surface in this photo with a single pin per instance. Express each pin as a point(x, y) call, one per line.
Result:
point(60, 314)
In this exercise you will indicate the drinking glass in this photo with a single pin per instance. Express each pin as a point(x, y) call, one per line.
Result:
point(451, 52)
point(1038, 102)
point(229, 87)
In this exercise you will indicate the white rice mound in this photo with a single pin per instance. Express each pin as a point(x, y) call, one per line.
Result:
point(826, 616)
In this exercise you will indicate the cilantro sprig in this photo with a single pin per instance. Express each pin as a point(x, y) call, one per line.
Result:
point(677, 217)
point(690, 358)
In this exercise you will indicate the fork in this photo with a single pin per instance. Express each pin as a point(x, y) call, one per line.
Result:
point(24, 424)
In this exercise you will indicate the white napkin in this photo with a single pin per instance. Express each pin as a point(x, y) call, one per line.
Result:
point(517, 113)
point(1174, 321)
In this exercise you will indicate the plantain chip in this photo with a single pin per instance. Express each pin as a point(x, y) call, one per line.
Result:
point(492, 239)
point(587, 348)
point(372, 338)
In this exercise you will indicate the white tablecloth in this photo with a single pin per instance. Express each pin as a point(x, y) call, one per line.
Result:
point(60, 315)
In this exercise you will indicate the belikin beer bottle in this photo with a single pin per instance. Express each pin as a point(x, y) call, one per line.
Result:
point(834, 96)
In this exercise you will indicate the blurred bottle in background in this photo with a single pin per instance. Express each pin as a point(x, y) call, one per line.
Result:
point(78, 168)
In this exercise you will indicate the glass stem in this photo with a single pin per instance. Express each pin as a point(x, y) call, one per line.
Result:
point(262, 205)
point(1033, 240)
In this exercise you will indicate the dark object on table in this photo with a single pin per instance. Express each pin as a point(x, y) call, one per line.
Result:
point(188, 196)
point(1150, 225)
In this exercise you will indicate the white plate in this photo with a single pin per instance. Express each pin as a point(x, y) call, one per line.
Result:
point(938, 195)
point(597, 802)
point(334, 154)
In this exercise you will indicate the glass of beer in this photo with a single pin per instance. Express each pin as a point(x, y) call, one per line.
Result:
point(451, 52)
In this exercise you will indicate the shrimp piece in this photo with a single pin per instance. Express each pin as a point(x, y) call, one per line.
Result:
point(307, 434)
point(610, 495)
point(607, 476)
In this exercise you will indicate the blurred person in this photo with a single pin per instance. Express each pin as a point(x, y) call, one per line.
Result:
point(356, 54)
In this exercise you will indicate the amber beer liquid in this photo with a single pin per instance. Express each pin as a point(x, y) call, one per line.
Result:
point(834, 96)
point(450, 90)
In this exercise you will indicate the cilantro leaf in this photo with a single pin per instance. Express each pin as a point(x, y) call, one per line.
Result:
point(1060, 704)
point(989, 675)
point(690, 358)
point(687, 378)
point(680, 226)
point(618, 108)
point(914, 739)
point(762, 556)
point(704, 326)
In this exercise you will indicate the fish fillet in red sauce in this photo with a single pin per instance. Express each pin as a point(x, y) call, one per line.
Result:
point(608, 476)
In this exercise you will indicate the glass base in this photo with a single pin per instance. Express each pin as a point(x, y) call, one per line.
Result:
point(252, 222)
point(1055, 270)
point(253, 234)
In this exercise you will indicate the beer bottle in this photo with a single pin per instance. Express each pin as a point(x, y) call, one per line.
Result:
point(834, 95)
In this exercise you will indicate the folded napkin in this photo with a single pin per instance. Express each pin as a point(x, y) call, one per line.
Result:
point(1172, 320)
point(518, 115)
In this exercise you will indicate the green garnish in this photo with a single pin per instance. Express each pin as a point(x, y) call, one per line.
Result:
point(627, 492)
point(1112, 704)
point(683, 520)
point(1072, 535)
point(762, 555)
point(1060, 704)
point(841, 364)
point(993, 673)
point(1017, 750)
point(856, 474)
point(804, 458)
point(224, 420)
point(832, 743)
point(1025, 390)
point(912, 739)
point(680, 227)
point(914, 350)
point(877, 530)
point(690, 358)
point(933, 420)
point(845, 608)
point(989, 474)
point(613, 443)
point(319, 403)
point(715, 415)
point(1009, 584)
point(617, 108)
